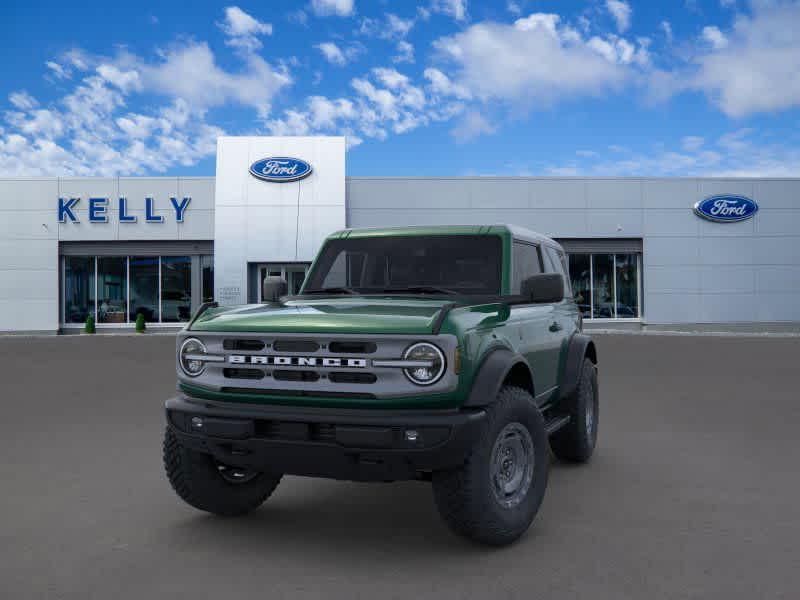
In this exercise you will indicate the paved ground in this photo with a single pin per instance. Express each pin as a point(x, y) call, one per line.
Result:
point(693, 492)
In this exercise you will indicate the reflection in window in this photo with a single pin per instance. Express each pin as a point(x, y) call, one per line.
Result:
point(207, 271)
point(144, 287)
point(627, 286)
point(580, 276)
point(176, 288)
point(78, 288)
point(602, 286)
point(112, 290)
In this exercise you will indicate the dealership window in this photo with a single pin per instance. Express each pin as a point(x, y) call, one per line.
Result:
point(116, 289)
point(606, 285)
point(79, 288)
point(112, 289)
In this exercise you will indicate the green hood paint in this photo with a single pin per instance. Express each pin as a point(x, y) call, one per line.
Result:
point(327, 315)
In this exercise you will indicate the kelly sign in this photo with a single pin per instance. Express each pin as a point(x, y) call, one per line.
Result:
point(98, 210)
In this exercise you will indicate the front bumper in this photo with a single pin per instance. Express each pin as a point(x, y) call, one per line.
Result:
point(360, 445)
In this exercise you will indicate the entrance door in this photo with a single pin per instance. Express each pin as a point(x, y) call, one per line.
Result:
point(293, 273)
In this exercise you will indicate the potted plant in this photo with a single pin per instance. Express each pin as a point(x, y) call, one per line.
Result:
point(140, 323)
point(89, 327)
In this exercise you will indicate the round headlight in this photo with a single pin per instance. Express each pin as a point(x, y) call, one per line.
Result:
point(431, 363)
point(190, 355)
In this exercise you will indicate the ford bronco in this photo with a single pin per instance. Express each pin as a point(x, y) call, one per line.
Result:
point(453, 355)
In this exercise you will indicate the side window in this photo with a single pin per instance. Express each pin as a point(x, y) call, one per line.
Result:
point(525, 262)
point(558, 260)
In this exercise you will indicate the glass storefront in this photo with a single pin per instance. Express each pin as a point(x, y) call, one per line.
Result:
point(606, 286)
point(116, 289)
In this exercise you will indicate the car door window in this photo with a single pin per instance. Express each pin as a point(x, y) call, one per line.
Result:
point(526, 261)
point(558, 263)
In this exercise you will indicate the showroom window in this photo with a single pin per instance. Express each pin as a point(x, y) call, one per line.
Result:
point(606, 285)
point(117, 289)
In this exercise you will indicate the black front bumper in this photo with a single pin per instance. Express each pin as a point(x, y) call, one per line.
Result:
point(360, 445)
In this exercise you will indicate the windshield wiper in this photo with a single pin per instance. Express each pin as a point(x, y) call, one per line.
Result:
point(332, 290)
point(420, 289)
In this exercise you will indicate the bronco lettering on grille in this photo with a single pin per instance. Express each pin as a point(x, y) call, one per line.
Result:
point(297, 361)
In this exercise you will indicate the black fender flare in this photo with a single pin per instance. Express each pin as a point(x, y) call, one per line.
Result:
point(494, 368)
point(580, 346)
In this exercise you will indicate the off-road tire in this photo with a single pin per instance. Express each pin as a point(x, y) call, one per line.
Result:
point(465, 496)
point(195, 477)
point(576, 441)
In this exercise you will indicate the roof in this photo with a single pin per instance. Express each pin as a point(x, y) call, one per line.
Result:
point(498, 229)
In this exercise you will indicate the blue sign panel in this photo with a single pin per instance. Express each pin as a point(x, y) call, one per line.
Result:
point(726, 209)
point(280, 169)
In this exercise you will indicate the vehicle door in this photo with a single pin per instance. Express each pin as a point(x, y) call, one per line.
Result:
point(565, 313)
point(537, 340)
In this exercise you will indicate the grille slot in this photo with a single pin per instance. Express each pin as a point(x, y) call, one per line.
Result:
point(243, 344)
point(295, 346)
point(296, 393)
point(351, 377)
point(243, 373)
point(284, 375)
point(353, 347)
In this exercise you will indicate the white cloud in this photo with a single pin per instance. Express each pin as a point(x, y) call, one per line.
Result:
point(715, 37)
point(735, 154)
point(727, 3)
point(472, 124)
point(336, 55)
point(692, 143)
point(22, 100)
point(621, 11)
point(758, 70)
point(537, 60)
point(398, 27)
point(453, 8)
point(405, 53)
point(339, 8)
point(441, 84)
point(58, 70)
point(243, 29)
point(666, 27)
point(514, 8)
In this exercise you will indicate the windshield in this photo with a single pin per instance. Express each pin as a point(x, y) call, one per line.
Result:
point(446, 264)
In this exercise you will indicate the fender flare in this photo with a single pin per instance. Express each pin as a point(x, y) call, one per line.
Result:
point(493, 370)
point(580, 346)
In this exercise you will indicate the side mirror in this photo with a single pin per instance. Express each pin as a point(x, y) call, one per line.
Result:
point(273, 288)
point(544, 288)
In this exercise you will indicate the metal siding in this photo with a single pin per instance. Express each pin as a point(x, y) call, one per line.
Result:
point(133, 248)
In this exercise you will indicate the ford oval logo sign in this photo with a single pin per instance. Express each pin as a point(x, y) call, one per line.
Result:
point(726, 209)
point(280, 169)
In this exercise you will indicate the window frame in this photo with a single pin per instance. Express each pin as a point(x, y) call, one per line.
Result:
point(537, 249)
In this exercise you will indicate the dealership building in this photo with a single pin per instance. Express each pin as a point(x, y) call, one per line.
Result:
point(643, 252)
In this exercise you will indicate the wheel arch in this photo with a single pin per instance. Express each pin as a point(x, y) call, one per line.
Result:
point(499, 367)
point(581, 346)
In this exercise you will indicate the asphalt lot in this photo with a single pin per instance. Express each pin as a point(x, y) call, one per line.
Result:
point(693, 492)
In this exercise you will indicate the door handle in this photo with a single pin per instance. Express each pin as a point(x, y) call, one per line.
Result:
point(555, 326)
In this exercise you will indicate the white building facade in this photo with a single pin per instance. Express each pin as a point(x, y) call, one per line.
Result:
point(639, 252)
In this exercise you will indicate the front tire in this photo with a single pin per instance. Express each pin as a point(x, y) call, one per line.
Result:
point(494, 496)
point(575, 442)
point(207, 485)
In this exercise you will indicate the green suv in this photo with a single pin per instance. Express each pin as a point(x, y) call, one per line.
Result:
point(453, 355)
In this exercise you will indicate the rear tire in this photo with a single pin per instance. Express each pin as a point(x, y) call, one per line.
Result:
point(575, 442)
point(494, 496)
point(207, 485)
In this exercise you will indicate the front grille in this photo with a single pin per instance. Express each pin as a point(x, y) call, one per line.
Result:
point(353, 347)
point(243, 373)
point(297, 393)
point(295, 346)
point(246, 345)
point(352, 377)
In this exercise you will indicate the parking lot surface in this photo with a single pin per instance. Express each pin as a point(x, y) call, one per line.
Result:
point(693, 491)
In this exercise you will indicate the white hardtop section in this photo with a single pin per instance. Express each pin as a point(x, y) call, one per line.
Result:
point(259, 221)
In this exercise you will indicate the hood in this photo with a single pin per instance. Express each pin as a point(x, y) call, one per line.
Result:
point(326, 315)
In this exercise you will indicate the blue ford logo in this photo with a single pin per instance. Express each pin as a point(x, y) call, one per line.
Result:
point(726, 209)
point(280, 169)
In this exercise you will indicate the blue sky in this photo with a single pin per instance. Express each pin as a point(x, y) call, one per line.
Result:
point(439, 87)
